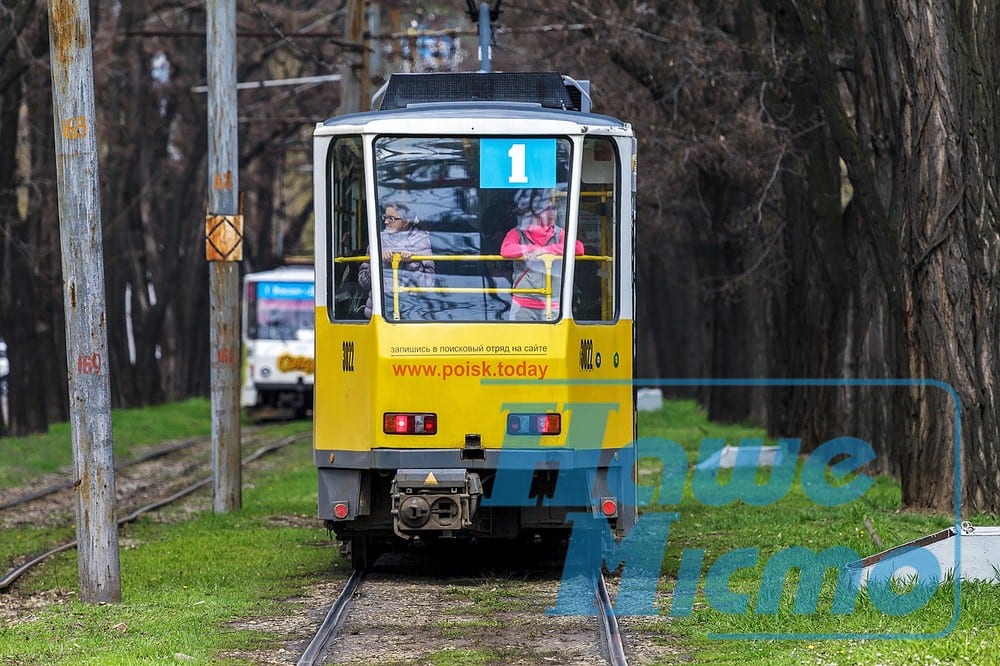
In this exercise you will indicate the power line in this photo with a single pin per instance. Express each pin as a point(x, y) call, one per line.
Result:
point(276, 83)
point(334, 37)
point(337, 37)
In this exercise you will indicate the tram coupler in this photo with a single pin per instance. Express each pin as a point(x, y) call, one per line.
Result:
point(434, 500)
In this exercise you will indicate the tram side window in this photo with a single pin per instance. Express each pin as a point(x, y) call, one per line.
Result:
point(348, 229)
point(596, 284)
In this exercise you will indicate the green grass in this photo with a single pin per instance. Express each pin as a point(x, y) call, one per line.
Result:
point(189, 580)
point(24, 458)
point(490, 596)
point(711, 532)
point(186, 584)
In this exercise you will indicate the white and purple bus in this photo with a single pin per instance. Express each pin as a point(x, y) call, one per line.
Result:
point(278, 356)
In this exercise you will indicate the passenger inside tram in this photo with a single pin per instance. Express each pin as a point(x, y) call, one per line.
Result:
point(537, 242)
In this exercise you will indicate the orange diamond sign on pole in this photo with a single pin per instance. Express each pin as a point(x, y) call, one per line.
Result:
point(224, 237)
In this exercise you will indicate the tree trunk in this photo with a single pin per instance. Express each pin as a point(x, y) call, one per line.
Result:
point(920, 155)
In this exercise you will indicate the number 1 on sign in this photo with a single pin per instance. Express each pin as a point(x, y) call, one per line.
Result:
point(517, 171)
point(518, 162)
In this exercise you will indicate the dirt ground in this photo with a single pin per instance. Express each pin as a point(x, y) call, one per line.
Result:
point(407, 611)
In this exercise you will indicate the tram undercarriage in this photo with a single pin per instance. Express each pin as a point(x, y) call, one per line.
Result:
point(375, 509)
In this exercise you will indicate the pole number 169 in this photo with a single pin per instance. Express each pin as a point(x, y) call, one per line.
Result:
point(88, 364)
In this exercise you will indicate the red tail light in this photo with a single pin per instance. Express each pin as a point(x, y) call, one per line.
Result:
point(534, 424)
point(340, 510)
point(396, 423)
point(552, 425)
point(609, 506)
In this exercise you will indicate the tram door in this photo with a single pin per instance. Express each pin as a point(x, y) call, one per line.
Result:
point(349, 233)
point(595, 294)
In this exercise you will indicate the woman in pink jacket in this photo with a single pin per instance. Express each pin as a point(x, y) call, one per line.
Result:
point(536, 234)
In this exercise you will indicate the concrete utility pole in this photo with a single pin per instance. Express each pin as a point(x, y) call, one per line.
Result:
point(224, 248)
point(83, 298)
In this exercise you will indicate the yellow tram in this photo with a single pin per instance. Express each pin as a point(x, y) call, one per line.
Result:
point(474, 312)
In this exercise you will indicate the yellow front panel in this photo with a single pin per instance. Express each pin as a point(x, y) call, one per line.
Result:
point(469, 375)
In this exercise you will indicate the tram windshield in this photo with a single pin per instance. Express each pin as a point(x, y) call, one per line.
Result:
point(488, 213)
point(475, 229)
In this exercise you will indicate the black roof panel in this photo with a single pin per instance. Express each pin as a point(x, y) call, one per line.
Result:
point(544, 88)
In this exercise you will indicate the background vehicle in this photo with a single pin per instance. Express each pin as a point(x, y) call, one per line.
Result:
point(278, 341)
point(437, 416)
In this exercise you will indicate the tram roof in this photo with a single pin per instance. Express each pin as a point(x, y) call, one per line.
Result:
point(513, 111)
point(427, 101)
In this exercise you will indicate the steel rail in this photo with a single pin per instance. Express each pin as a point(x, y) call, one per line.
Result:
point(66, 485)
point(17, 572)
point(608, 624)
point(327, 631)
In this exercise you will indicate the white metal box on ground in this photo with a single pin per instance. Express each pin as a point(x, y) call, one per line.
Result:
point(932, 558)
point(649, 399)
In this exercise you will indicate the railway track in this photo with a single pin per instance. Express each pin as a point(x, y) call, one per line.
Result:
point(324, 645)
point(67, 484)
point(320, 643)
point(325, 642)
point(610, 635)
point(11, 576)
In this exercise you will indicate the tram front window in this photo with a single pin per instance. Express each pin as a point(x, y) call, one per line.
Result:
point(495, 212)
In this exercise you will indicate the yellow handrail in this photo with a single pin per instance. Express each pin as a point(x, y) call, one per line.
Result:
point(547, 259)
point(467, 257)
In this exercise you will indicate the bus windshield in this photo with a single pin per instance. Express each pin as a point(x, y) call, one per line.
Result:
point(280, 310)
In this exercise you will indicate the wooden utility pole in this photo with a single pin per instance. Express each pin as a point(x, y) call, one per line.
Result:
point(83, 298)
point(223, 249)
point(373, 62)
point(355, 88)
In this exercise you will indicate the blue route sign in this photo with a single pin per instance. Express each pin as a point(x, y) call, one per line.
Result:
point(517, 163)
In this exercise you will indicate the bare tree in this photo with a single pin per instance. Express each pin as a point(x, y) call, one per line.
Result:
point(148, 59)
point(909, 117)
point(845, 228)
point(30, 288)
point(693, 79)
